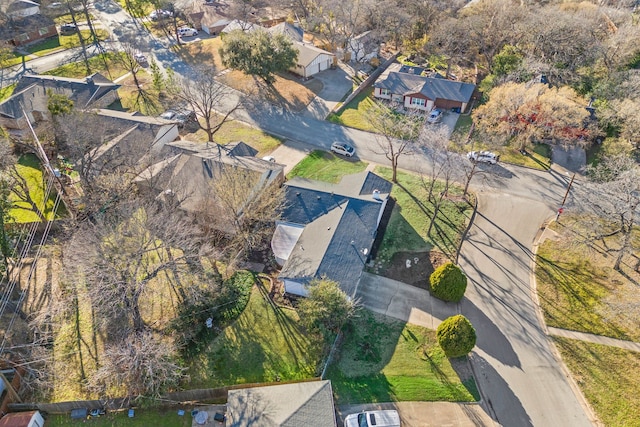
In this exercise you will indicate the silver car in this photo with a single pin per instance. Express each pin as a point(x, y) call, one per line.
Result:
point(342, 148)
point(483, 157)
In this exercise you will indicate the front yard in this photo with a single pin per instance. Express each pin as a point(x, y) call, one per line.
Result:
point(288, 91)
point(326, 166)
point(385, 360)
point(581, 291)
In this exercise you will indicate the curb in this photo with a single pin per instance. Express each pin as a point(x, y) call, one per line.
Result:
point(536, 302)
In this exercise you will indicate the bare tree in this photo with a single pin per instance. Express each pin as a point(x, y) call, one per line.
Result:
point(241, 206)
point(396, 133)
point(610, 202)
point(141, 364)
point(212, 101)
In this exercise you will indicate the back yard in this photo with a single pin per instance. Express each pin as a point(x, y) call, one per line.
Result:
point(266, 343)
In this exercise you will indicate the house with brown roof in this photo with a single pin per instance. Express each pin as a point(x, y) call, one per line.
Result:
point(423, 93)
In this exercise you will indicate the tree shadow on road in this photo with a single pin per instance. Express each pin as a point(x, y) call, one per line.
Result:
point(507, 408)
point(490, 338)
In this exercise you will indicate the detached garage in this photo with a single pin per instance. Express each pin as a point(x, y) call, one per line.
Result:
point(22, 419)
point(311, 60)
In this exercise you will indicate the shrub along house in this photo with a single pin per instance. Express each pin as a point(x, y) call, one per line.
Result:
point(328, 230)
point(418, 92)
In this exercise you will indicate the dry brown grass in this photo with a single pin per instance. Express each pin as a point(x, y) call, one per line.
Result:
point(288, 91)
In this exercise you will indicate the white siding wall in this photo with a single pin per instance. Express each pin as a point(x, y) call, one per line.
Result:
point(378, 94)
point(320, 63)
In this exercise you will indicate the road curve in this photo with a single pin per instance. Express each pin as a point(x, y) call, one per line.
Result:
point(517, 372)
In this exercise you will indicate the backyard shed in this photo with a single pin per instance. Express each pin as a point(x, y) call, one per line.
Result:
point(22, 419)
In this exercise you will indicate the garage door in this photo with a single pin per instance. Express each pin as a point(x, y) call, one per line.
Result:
point(324, 65)
point(446, 104)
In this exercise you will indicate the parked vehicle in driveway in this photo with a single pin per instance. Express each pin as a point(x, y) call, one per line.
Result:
point(187, 32)
point(342, 148)
point(388, 418)
point(181, 116)
point(435, 116)
point(483, 157)
point(68, 29)
point(141, 59)
point(160, 14)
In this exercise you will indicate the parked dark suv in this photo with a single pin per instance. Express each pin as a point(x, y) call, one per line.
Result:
point(68, 29)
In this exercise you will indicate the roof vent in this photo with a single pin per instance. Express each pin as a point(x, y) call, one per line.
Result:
point(318, 197)
point(298, 193)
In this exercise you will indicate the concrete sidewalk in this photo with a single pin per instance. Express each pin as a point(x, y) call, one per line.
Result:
point(290, 153)
point(596, 339)
point(424, 414)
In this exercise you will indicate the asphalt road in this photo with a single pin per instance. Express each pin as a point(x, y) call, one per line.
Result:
point(518, 374)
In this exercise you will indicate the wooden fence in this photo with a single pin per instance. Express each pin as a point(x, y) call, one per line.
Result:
point(205, 395)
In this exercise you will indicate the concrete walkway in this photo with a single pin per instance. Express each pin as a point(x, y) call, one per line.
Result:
point(402, 301)
point(425, 414)
point(596, 339)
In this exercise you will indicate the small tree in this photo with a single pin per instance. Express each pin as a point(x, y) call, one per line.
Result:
point(258, 53)
point(456, 336)
point(448, 282)
point(326, 308)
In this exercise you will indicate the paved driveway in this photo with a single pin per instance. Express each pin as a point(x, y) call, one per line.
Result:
point(402, 301)
point(425, 414)
point(335, 85)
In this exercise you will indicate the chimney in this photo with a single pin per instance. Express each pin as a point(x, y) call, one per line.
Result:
point(376, 195)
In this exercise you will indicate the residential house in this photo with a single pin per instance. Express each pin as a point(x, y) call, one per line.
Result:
point(20, 8)
point(127, 138)
point(30, 94)
point(362, 48)
point(284, 405)
point(311, 60)
point(293, 32)
point(237, 24)
point(22, 419)
point(188, 169)
point(423, 93)
point(328, 230)
point(24, 24)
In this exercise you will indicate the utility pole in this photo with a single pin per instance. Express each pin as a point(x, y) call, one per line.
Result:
point(564, 199)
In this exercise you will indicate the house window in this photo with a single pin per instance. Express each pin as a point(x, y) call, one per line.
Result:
point(418, 102)
point(385, 92)
point(42, 31)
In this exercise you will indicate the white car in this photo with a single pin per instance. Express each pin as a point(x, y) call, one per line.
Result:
point(160, 14)
point(388, 418)
point(269, 159)
point(435, 116)
point(483, 157)
point(342, 148)
point(187, 32)
point(141, 59)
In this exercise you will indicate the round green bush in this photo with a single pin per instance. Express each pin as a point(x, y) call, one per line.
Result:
point(448, 283)
point(456, 336)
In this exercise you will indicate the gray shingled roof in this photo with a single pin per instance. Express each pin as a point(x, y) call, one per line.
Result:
point(340, 227)
point(289, 30)
point(285, 405)
point(432, 88)
point(83, 92)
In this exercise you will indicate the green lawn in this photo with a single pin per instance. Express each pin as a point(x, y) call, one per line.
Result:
point(354, 115)
point(54, 44)
point(407, 228)
point(265, 343)
point(142, 418)
point(386, 360)
point(325, 166)
point(78, 70)
point(609, 377)
point(572, 288)
point(28, 168)
point(6, 92)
